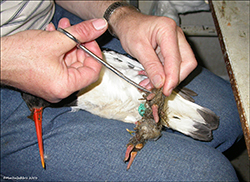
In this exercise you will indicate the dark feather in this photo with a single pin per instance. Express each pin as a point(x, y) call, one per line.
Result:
point(186, 93)
point(212, 120)
point(34, 102)
point(202, 133)
point(37, 102)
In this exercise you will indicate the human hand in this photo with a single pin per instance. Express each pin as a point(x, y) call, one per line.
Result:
point(158, 44)
point(48, 64)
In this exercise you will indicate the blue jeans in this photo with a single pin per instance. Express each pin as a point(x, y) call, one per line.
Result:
point(80, 146)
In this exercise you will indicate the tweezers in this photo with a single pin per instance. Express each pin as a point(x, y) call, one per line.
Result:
point(110, 67)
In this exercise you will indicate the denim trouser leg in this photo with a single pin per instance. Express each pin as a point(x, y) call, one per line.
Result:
point(83, 147)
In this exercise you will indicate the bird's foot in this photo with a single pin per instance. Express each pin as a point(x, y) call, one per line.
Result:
point(131, 151)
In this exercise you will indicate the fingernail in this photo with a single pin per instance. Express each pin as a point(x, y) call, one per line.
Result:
point(99, 23)
point(157, 81)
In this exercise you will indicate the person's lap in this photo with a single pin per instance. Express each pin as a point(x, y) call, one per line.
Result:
point(82, 146)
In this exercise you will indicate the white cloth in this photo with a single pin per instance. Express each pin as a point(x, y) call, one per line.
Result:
point(22, 15)
point(172, 8)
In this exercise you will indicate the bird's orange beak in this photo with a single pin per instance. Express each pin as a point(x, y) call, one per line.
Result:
point(37, 117)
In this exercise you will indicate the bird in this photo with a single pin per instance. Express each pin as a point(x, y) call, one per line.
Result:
point(112, 97)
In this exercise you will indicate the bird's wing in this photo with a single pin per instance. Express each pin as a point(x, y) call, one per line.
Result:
point(190, 118)
point(112, 97)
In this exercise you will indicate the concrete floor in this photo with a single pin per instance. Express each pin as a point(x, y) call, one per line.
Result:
point(209, 55)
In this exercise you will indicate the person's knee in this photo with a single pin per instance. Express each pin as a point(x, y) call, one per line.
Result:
point(216, 167)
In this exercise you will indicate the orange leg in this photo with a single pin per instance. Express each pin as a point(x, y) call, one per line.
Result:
point(131, 153)
point(130, 147)
point(37, 117)
point(155, 112)
point(132, 157)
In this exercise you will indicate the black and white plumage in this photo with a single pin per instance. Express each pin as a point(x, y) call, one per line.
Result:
point(113, 98)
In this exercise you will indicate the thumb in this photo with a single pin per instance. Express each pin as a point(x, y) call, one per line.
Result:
point(151, 64)
point(85, 31)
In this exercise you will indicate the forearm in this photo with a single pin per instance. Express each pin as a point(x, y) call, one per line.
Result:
point(86, 9)
point(119, 20)
point(6, 66)
point(15, 64)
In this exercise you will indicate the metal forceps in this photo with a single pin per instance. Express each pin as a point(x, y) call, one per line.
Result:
point(110, 67)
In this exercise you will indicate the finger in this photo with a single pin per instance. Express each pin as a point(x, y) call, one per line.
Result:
point(89, 30)
point(50, 27)
point(70, 57)
point(71, 60)
point(81, 55)
point(189, 62)
point(84, 32)
point(171, 57)
point(83, 74)
point(151, 63)
point(81, 77)
point(146, 84)
point(93, 47)
point(89, 61)
point(64, 23)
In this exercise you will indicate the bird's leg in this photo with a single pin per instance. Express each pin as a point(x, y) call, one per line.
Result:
point(133, 147)
point(155, 112)
point(36, 115)
point(147, 128)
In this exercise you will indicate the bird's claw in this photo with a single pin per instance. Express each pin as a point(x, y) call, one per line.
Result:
point(130, 131)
